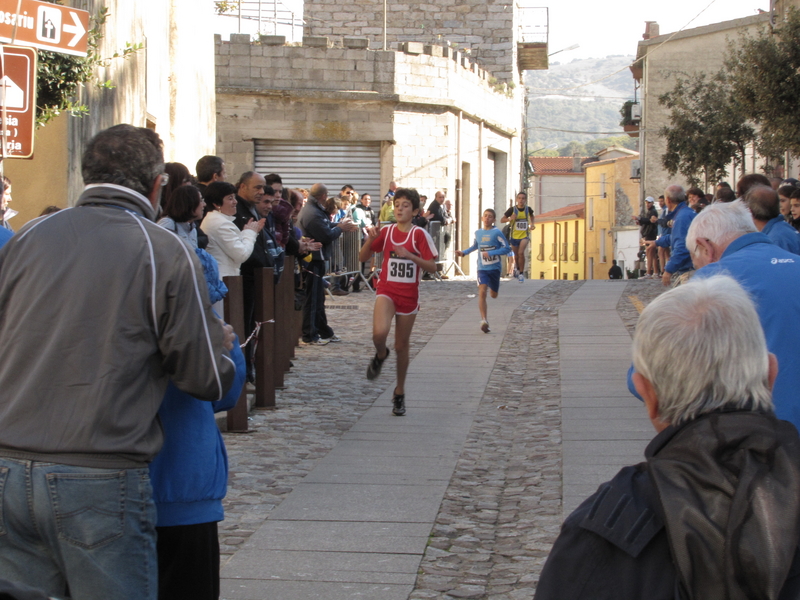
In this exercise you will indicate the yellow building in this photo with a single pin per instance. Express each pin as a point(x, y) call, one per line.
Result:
point(557, 244)
point(612, 199)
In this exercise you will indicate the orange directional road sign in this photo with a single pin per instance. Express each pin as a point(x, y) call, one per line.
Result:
point(44, 25)
point(18, 91)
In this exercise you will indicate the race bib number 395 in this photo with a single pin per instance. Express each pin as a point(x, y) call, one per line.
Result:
point(401, 270)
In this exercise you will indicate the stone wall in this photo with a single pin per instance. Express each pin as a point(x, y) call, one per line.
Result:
point(485, 27)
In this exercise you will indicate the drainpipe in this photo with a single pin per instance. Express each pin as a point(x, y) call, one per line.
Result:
point(480, 168)
point(459, 207)
point(558, 236)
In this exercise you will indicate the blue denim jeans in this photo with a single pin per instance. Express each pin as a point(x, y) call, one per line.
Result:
point(90, 529)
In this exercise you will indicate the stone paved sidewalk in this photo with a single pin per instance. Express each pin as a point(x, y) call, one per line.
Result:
point(502, 510)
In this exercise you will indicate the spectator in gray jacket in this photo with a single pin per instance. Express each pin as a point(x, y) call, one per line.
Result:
point(99, 309)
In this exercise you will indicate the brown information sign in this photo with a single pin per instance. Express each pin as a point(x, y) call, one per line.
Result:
point(44, 25)
point(18, 93)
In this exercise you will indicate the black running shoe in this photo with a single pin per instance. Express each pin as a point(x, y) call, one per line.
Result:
point(399, 405)
point(374, 368)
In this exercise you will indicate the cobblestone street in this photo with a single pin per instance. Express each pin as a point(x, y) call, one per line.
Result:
point(503, 506)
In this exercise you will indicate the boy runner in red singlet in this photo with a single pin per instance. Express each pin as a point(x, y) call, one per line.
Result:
point(406, 250)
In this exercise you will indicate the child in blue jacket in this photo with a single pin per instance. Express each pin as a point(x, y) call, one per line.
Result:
point(492, 244)
point(189, 478)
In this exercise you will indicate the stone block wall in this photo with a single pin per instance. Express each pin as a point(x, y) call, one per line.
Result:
point(485, 27)
point(451, 80)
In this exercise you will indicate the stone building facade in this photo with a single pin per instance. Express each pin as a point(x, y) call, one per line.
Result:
point(557, 182)
point(425, 117)
point(665, 58)
point(483, 27)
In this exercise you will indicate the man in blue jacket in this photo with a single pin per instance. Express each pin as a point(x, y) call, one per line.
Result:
point(764, 204)
point(680, 261)
point(723, 238)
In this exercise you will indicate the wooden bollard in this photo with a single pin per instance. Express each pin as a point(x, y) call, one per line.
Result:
point(281, 361)
point(234, 316)
point(297, 330)
point(265, 352)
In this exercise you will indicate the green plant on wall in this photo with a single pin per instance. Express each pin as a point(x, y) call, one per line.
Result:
point(225, 6)
point(61, 75)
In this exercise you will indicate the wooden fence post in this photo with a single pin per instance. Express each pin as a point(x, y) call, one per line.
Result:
point(281, 361)
point(234, 316)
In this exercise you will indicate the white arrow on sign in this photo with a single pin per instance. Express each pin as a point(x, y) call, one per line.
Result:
point(77, 29)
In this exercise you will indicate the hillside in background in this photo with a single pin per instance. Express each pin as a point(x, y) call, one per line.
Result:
point(582, 95)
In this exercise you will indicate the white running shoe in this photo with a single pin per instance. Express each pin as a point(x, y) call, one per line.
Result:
point(485, 326)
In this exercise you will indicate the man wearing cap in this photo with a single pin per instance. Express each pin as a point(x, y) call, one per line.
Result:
point(648, 229)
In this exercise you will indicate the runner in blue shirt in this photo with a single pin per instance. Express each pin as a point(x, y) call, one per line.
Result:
point(492, 244)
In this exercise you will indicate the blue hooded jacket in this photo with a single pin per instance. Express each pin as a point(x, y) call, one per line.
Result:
point(190, 474)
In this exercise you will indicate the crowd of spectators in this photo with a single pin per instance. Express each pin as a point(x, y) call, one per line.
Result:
point(774, 206)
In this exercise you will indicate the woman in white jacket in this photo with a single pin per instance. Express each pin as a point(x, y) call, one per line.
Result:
point(226, 243)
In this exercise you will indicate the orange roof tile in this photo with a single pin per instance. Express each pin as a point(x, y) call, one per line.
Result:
point(550, 165)
point(577, 210)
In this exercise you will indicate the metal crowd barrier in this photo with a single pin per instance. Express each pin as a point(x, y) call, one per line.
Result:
point(443, 237)
point(343, 261)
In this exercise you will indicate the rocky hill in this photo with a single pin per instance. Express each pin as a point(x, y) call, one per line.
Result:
point(582, 95)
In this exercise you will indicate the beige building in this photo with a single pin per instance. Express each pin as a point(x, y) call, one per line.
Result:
point(167, 86)
point(662, 59)
point(557, 182)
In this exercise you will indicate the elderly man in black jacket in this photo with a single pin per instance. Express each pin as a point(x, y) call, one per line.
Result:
point(315, 223)
point(713, 511)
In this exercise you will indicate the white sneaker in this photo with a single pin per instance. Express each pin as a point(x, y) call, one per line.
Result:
point(521, 278)
point(485, 326)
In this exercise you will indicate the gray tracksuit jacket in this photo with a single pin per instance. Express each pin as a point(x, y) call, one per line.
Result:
point(99, 309)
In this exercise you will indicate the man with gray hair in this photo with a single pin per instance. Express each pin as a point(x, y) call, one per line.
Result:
point(723, 239)
point(765, 207)
point(681, 216)
point(100, 308)
point(712, 512)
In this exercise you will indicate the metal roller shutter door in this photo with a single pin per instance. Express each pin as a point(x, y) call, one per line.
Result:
point(302, 164)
